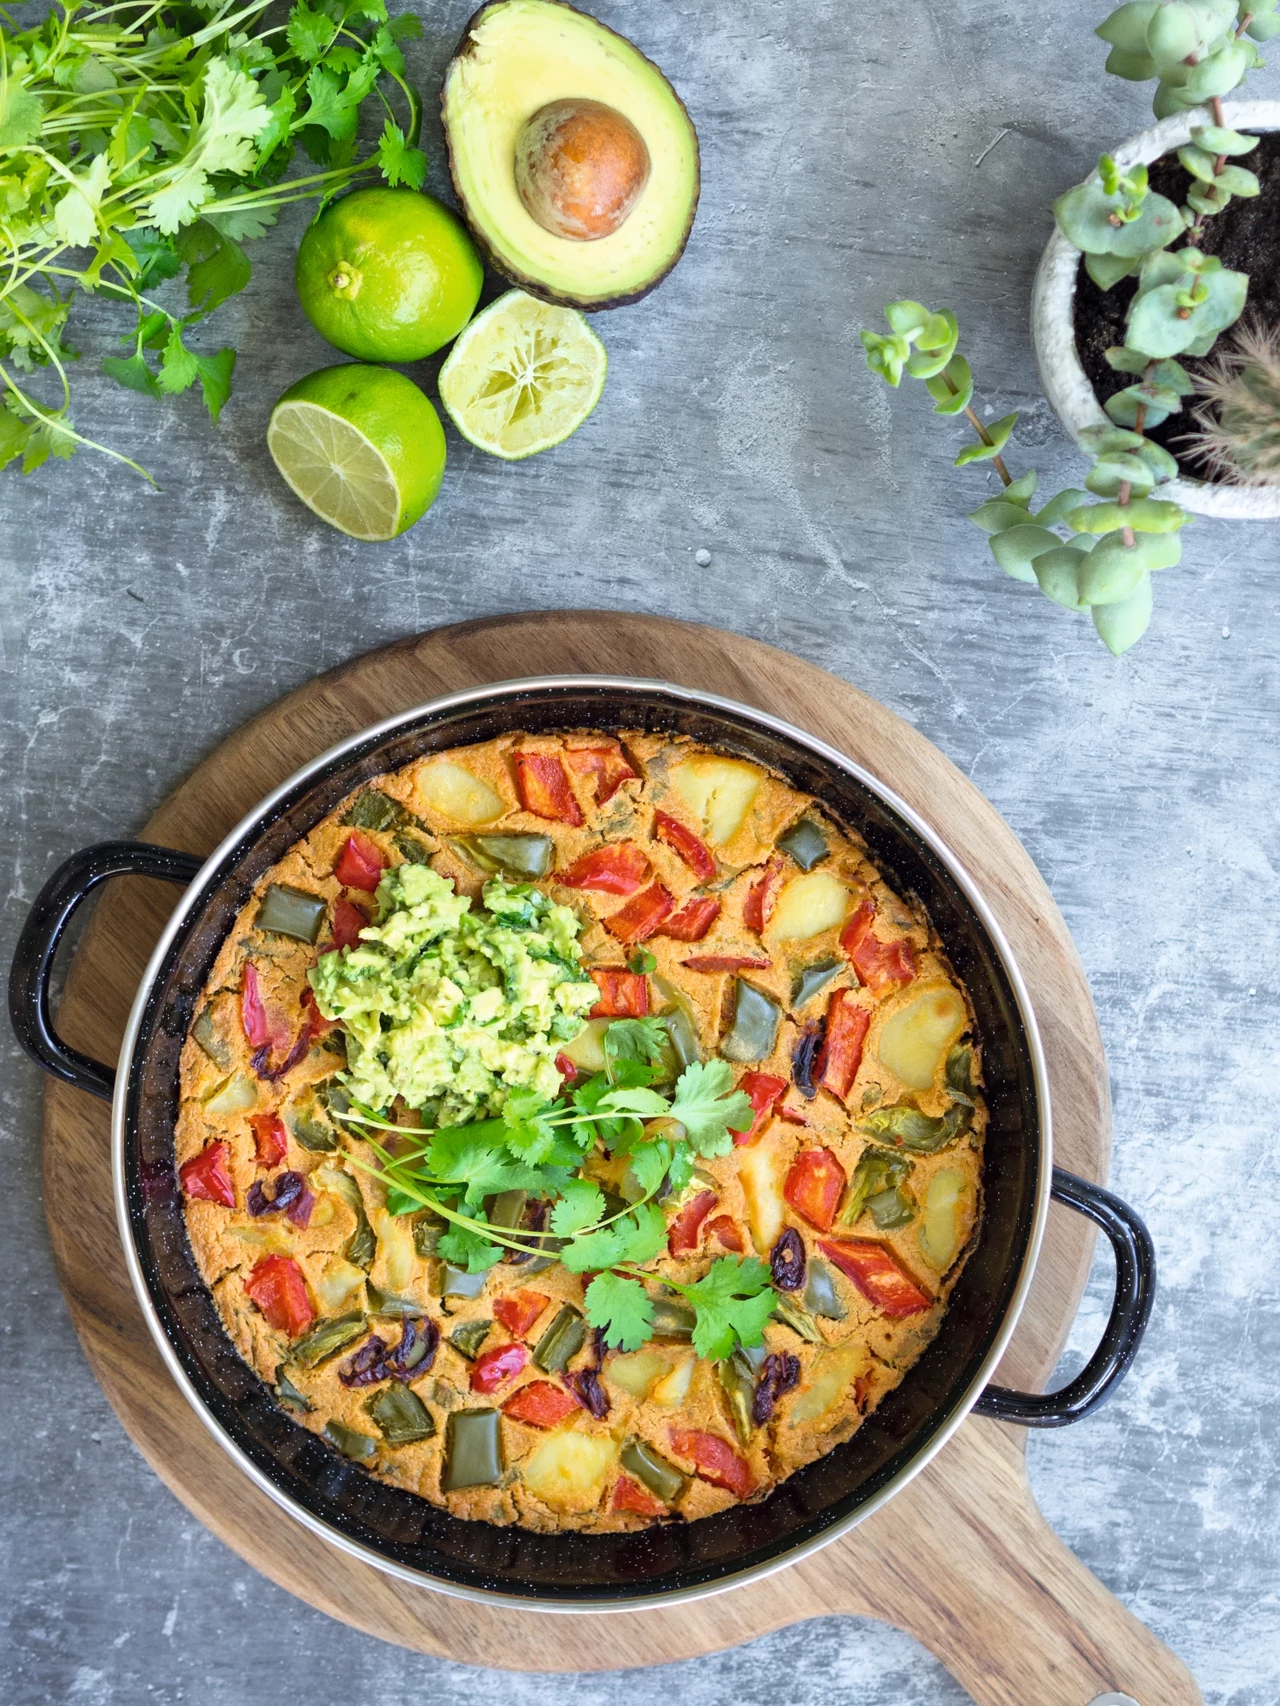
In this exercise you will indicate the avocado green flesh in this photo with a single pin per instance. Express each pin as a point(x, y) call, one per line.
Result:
point(516, 57)
point(450, 1007)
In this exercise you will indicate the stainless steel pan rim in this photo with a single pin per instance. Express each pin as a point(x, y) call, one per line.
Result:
point(541, 686)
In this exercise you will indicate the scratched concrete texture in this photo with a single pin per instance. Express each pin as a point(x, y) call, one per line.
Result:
point(840, 149)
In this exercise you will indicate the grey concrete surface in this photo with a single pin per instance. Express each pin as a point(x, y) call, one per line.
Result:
point(840, 146)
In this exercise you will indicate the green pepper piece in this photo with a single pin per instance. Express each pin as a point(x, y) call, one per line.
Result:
point(372, 809)
point(326, 1339)
point(209, 1040)
point(563, 1339)
point(428, 1229)
point(473, 1451)
point(877, 1170)
point(351, 1442)
point(812, 979)
point(799, 1320)
point(806, 844)
point(362, 1247)
point(506, 1209)
point(755, 1025)
point(292, 912)
point(411, 850)
point(681, 1025)
point(310, 1133)
point(959, 1073)
point(457, 1282)
point(672, 1320)
point(289, 1394)
point(662, 1479)
point(400, 1415)
point(921, 1134)
point(517, 856)
point(467, 1338)
point(820, 1294)
point(739, 1388)
point(388, 1304)
point(892, 1208)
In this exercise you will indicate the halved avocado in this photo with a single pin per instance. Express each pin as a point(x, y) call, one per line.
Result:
point(517, 58)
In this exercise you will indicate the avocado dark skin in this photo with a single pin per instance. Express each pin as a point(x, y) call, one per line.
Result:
point(535, 287)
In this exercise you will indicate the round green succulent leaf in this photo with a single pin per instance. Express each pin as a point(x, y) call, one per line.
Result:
point(952, 388)
point(1102, 440)
point(1023, 489)
point(1173, 33)
point(1123, 623)
point(1112, 571)
point(1146, 515)
point(997, 515)
point(1197, 162)
point(1058, 575)
point(1017, 548)
point(1219, 73)
point(907, 318)
point(1240, 181)
point(1060, 505)
point(1126, 27)
point(997, 437)
point(1108, 476)
point(1217, 139)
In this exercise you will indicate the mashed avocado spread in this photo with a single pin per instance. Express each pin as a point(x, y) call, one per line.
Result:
point(450, 1008)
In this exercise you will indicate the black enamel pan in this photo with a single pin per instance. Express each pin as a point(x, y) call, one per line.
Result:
point(560, 1572)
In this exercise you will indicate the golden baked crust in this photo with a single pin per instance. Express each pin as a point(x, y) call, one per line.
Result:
point(570, 1475)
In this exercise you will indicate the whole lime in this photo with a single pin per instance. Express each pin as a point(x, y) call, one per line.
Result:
point(361, 446)
point(388, 275)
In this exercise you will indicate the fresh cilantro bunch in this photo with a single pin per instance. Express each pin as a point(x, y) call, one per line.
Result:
point(146, 138)
point(541, 1147)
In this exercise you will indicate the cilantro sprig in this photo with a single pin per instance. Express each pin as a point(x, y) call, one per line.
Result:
point(541, 1147)
point(143, 139)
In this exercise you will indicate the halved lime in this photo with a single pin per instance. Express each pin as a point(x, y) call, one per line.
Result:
point(523, 376)
point(361, 446)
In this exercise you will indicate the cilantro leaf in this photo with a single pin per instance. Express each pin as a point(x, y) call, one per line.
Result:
point(635, 1099)
point(473, 1156)
point(132, 373)
point(622, 1309)
point(178, 367)
point(637, 1237)
point(649, 1163)
point(217, 267)
point(310, 34)
point(708, 1108)
point(215, 379)
point(466, 1248)
point(398, 161)
point(681, 1170)
point(581, 1205)
point(644, 1233)
point(636, 1039)
point(732, 1302)
point(527, 1132)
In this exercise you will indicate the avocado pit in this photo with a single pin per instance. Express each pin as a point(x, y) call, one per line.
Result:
point(580, 168)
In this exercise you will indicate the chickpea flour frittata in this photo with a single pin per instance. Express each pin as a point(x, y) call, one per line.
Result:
point(578, 1132)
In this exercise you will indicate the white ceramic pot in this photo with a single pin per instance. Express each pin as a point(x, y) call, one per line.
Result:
point(1052, 319)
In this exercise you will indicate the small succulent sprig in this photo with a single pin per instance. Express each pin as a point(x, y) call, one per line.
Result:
point(1239, 431)
point(1198, 50)
point(1115, 544)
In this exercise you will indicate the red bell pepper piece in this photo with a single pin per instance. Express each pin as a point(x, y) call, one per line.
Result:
point(348, 922)
point(607, 764)
point(724, 962)
point(814, 1187)
point(640, 917)
point(876, 1273)
point(685, 845)
point(760, 897)
point(360, 864)
point(540, 1404)
point(881, 966)
point(623, 995)
point(619, 868)
point(629, 1495)
point(693, 920)
point(276, 1285)
point(518, 1310)
point(205, 1176)
point(792, 1115)
point(726, 1231)
point(763, 1091)
point(494, 1368)
point(258, 1029)
point(567, 1070)
point(714, 1460)
point(841, 1053)
point(682, 1238)
point(270, 1140)
point(544, 788)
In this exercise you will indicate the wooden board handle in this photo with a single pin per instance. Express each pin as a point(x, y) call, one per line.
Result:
point(995, 1595)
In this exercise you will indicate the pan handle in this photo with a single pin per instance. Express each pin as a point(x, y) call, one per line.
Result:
point(33, 958)
point(1135, 1291)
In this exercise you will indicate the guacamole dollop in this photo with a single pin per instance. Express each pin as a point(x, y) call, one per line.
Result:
point(450, 1007)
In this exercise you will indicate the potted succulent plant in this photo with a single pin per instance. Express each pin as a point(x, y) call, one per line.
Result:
point(1156, 255)
point(1199, 190)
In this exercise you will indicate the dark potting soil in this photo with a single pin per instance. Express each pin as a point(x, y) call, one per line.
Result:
point(1245, 238)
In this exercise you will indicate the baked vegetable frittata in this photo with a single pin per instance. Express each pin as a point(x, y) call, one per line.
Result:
point(579, 1132)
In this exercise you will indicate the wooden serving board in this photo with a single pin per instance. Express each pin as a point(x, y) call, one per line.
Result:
point(961, 1558)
